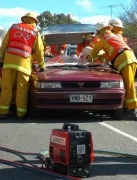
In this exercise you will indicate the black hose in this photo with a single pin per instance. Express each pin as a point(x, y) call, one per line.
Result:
point(18, 152)
point(21, 165)
point(37, 169)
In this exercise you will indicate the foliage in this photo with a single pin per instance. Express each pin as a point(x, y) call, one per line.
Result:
point(47, 19)
point(129, 19)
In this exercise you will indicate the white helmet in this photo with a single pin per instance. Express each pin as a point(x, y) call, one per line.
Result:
point(102, 25)
point(116, 23)
point(86, 51)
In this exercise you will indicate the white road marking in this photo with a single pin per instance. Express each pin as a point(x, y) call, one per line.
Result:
point(118, 131)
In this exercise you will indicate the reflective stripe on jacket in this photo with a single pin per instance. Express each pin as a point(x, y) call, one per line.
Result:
point(117, 45)
point(22, 37)
point(125, 58)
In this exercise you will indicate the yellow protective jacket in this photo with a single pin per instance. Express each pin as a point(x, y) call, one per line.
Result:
point(126, 57)
point(117, 30)
point(19, 63)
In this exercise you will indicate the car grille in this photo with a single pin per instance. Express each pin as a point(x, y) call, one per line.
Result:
point(86, 85)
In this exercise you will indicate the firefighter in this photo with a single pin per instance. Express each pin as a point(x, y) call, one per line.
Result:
point(117, 27)
point(88, 40)
point(16, 55)
point(57, 50)
point(94, 40)
point(85, 53)
point(123, 59)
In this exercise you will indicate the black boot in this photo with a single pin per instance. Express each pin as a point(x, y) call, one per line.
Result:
point(3, 116)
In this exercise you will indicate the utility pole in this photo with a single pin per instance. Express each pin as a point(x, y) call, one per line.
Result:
point(111, 8)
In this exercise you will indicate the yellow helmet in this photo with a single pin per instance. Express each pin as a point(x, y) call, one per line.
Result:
point(30, 15)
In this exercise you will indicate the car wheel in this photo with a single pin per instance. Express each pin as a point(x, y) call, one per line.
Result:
point(33, 112)
point(116, 114)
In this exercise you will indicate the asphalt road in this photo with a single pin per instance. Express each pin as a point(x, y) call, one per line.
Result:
point(32, 135)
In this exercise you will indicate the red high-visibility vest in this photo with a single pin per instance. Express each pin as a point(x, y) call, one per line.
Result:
point(22, 37)
point(117, 43)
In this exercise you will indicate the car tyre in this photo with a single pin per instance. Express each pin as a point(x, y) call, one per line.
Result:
point(32, 113)
point(116, 114)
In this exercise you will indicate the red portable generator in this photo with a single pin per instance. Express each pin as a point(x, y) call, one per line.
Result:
point(71, 150)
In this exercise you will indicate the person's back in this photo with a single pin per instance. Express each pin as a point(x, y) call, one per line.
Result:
point(21, 42)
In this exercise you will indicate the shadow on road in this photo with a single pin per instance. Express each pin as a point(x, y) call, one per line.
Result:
point(61, 117)
point(102, 166)
point(112, 166)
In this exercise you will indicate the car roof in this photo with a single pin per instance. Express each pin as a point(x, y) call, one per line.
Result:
point(67, 33)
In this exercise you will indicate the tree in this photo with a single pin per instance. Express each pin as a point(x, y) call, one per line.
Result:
point(47, 19)
point(129, 19)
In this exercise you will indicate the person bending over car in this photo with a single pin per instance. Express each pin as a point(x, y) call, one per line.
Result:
point(123, 59)
point(19, 44)
point(57, 50)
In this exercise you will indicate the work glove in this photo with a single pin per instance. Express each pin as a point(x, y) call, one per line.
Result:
point(41, 70)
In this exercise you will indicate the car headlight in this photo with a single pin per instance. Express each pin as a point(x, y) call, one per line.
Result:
point(115, 84)
point(47, 84)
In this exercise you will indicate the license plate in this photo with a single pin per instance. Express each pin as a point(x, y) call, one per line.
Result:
point(85, 98)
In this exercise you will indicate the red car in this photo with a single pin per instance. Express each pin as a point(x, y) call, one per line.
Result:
point(69, 84)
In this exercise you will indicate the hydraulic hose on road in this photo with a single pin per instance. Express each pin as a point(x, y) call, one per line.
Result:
point(33, 168)
point(38, 169)
point(46, 152)
point(115, 153)
point(20, 152)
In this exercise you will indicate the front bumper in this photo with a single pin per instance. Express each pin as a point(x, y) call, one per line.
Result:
point(102, 100)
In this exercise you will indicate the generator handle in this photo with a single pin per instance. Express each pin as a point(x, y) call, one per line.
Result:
point(70, 127)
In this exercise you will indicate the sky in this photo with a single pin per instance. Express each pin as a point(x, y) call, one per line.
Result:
point(84, 11)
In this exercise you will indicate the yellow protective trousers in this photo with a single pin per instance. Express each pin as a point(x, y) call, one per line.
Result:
point(14, 81)
point(128, 74)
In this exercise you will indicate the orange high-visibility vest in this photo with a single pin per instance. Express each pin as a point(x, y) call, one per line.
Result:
point(117, 45)
point(93, 41)
point(56, 49)
point(22, 37)
point(87, 42)
point(79, 49)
